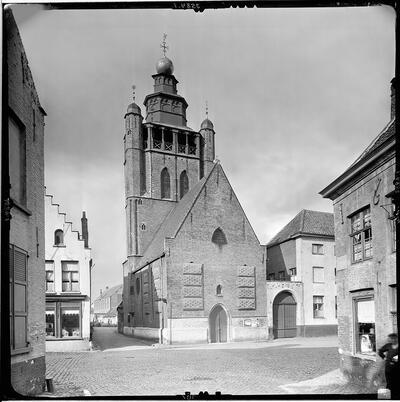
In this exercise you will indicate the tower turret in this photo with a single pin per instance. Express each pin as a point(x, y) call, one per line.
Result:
point(133, 145)
point(207, 133)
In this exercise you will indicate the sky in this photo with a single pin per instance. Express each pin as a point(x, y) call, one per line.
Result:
point(295, 96)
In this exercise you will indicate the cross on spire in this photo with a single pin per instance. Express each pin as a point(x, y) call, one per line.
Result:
point(133, 92)
point(207, 109)
point(163, 45)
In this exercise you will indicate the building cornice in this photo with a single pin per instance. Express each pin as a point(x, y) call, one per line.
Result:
point(360, 170)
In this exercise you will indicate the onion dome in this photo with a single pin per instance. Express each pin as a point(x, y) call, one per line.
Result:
point(165, 66)
point(207, 123)
point(133, 108)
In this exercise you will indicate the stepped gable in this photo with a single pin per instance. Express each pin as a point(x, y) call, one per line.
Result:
point(79, 236)
point(306, 222)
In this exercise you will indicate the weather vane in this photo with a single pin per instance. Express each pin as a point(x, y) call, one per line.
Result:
point(163, 45)
point(207, 109)
point(133, 92)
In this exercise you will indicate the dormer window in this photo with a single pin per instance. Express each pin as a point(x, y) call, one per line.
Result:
point(58, 237)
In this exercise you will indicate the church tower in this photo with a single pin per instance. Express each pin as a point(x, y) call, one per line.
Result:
point(164, 158)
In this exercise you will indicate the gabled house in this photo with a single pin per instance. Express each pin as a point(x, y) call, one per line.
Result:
point(301, 270)
point(68, 280)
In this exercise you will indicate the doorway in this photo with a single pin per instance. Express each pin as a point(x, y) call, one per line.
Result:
point(218, 325)
point(284, 316)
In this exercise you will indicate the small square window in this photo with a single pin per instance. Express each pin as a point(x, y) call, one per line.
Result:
point(318, 249)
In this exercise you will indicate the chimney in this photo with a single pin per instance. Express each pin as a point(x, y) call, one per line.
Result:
point(85, 233)
point(393, 98)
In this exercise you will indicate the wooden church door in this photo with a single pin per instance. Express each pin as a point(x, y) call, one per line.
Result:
point(218, 325)
point(284, 316)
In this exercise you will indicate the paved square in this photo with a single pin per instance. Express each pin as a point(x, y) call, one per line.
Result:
point(136, 368)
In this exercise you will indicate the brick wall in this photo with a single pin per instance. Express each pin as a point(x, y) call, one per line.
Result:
point(376, 274)
point(216, 206)
point(27, 228)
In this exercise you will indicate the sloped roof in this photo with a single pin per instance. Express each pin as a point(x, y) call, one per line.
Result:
point(387, 133)
point(172, 222)
point(108, 293)
point(306, 222)
point(363, 164)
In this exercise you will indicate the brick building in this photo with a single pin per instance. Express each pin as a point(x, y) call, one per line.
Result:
point(68, 281)
point(365, 252)
point(301, 277)
point(105, 306)
point(195, 270)
point(26, 242)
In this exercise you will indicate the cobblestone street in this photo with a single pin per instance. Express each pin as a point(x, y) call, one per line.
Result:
point(238, 369)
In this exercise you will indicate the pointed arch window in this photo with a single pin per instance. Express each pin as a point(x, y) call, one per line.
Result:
point(165, 184)
point(183, 183)
point(219, 290)
point(58, 237)
point(219, 237)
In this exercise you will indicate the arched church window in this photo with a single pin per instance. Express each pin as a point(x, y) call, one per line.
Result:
point(140, 202)
point(183, 183)
point(219, 237)
point(58, 237)
point(165, 184)
point(219, 290)
point(143, 227)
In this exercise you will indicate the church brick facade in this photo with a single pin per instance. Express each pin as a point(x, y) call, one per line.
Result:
point(195, 270)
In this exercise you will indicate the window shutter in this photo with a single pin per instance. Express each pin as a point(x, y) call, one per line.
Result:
point(19, 313)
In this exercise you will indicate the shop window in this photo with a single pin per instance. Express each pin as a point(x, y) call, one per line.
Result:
point(318, 274)
point(58, 237)
point(63, 320)
point(70, 276)
point(17, 160)
point(183, 183)
point(318, 306)
point(165, 184)
point(361, 235)
point(18, 261)
point(50, 320)
point(70, 322)
point(364, 309)
point(49, 276)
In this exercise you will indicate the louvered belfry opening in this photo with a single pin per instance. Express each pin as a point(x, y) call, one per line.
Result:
point(219, 237)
